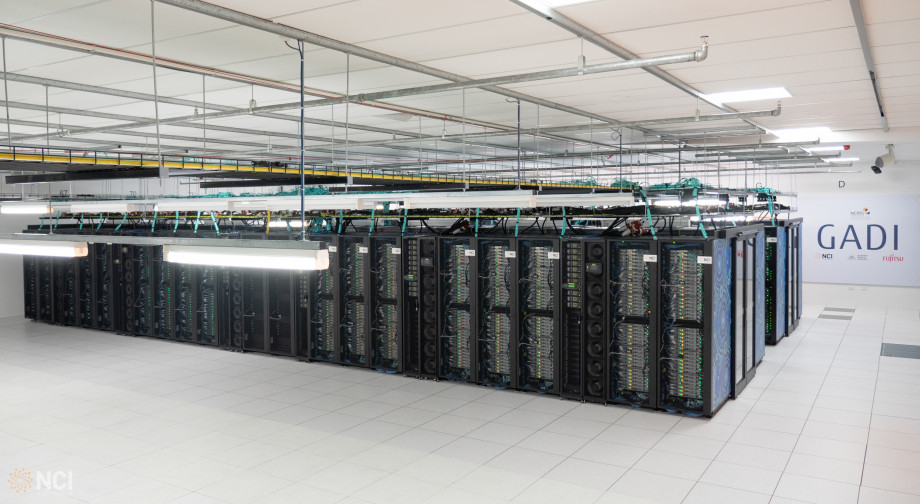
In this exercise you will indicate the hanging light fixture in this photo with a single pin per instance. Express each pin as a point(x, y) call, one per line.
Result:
point(39, 247)
point(239, 257)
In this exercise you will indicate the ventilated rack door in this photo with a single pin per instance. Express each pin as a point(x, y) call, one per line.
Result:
point(633, 269)
point(144, 290)
point(759, 297)
point(571, 338)
point(104, 278)
point(538, 354)
point(386, 305)
point(233, 309)
point(30, 285)
point(596, 309)
point(255, 303)
point(86, 300)
point(775, 284)
point(301, 319)
point(354, 274)
point(184, 304)
point(45, 270)
point(66, 294)
point(280, 310)
point(498, 312)
point(206, 305)
point(429, 331)
point(324, 321)
point(164, 295)
point(458, 274)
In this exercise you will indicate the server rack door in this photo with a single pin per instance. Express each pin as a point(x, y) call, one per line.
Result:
point(236, 310)
point(206, 319)
point(102, 255)
point(458, 297)
point(497, 312)
point(281, 300)
point(759, 298)
point(596, 309)
point(301, 319)
point(85, 286)
point(353, 297)
point(631, 352)
point(798, 275)
point(145, 275)
point(183, 278)
point(165, 297)
point(386, 289)
point(411, 343)
point(255, 320)
point(324, 319)
point(538, 355)
point(571, 336)
point(30, 286)
point(429, 306)
point(738, 314)
point(45, 283)
point(683, 346)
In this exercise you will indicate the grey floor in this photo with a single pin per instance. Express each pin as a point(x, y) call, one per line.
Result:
point(134, 420)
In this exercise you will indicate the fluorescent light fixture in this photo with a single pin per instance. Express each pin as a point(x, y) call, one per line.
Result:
point(536, 4)
point(827, 148)
point(193, 204)
point(264, 258)
point(25, 208)
point(46, 248)
point(801, 134)
point(585, 200)
point(690, 203)
point(772, 93)
point(840, 160)
point(285, 223)
point(103, 206)
point(723, 218)
point(251, 205)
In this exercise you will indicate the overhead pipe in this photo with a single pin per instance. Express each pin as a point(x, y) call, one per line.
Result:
point(369, 54)
point(488, 84)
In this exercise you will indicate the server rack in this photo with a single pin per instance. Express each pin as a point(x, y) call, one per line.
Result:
point(85, 292)
point(633, 340)
point(498, 327)
point(354, 277)
point(385, 292)
point(206, 318)
point(459, 297)
point(776, 283)
point(794, 273)
point(165, 313)
point(324, 307)
point(423, 318)
point(695, 352)
point(538, 354)
point(30, 286)
point(104, 284)
point(65, 278)
point(747, 308)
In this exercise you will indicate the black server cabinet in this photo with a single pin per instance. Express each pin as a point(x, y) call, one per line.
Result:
point(134, 278)
point(354, 278)
point(498, 312)
point(458, 322)
point(300, 330)
point(633, 335)
point(145, 290)
point(104, 284)
point(695, 350)
point(583, 335)
point(30, 285)
point(184, 288)
point(45, 288)
point(255, 310)
point(571, 341)
point(164, 295)
point(65, 274)
point(85, 292)
point(776, 284)
point(538, 319)
point(386, 303)
point(206, 318)
point(281, 297)
point(324, 307)
point(422, 313)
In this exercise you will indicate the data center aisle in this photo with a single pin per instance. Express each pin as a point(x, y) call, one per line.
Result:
point(137, 420)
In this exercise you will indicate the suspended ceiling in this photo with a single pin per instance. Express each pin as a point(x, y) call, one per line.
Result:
point(811, 48)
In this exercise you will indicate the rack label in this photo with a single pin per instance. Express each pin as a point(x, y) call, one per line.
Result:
point(552, 255)
point(333, 248)
point(771, 239)
point(396, 251)
point(650, 257)
point(510, 254)
point(704, 259)
point(469, 252)
point(362, 250)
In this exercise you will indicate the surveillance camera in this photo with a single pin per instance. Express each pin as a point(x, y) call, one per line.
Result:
point(876, 170)
point(885, 160)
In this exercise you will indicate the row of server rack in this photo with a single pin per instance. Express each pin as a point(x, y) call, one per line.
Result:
point(670, 322)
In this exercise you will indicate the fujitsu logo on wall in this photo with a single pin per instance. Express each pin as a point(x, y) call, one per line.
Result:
point(892, 258)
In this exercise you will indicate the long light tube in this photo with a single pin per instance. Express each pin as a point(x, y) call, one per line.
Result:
point(44, 248)
point(28, 208)
point(264, 258)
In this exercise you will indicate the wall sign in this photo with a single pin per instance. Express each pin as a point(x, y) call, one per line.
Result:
point(861, 240)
